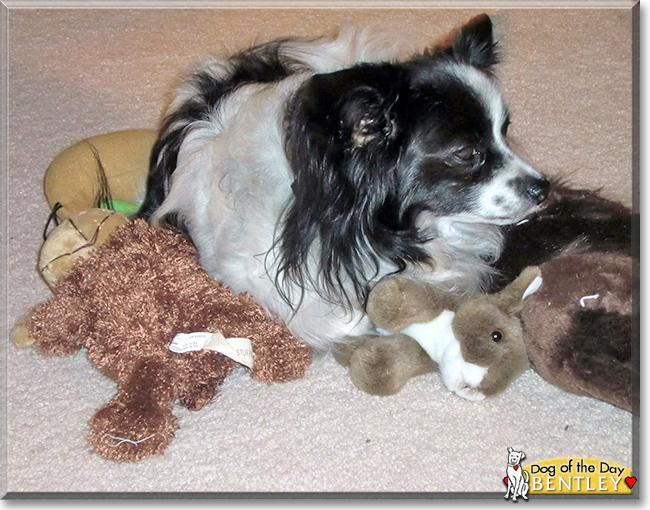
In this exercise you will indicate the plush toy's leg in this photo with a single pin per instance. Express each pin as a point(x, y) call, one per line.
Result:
point(199, 376)
point(343, 352)
point(20, 334)
point(381, 365)
point(138, 422)
point(199, 395)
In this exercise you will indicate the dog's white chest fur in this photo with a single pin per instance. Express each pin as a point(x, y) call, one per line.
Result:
point(438, 340)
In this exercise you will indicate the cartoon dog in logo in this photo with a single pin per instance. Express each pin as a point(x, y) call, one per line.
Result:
point(517, 480)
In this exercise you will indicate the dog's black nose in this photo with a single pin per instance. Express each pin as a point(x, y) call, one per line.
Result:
point(538, 190)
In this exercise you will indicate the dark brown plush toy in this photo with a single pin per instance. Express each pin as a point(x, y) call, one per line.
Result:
point(125, 304)
point(578, 326)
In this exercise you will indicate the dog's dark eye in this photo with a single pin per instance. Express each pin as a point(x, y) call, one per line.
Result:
point(497, 336)
point(466, 153)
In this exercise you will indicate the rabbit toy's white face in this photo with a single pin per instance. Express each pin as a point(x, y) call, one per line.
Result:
point(461, 377)
point(438, 340)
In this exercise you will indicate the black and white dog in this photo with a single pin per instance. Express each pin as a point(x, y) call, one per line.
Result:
point(305, 171)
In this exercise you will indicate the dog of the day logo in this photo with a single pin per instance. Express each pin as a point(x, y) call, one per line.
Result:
point(571, 475)
point(516, 478)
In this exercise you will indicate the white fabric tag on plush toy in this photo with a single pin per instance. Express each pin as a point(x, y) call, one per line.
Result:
point(184, 342)
point(237, 349)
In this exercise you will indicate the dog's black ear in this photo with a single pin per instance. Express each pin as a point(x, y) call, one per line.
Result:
point(353, 107)
point(473, 44)
point(366, 116)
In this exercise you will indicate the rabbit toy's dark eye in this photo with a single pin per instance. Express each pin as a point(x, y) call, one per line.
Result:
point(497, 336)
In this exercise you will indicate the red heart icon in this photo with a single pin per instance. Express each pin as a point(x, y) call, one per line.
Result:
point(516, 467)
point(630, 481)
point(505, 480)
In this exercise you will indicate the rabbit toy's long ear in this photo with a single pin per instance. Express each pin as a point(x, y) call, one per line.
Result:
point(511, 299)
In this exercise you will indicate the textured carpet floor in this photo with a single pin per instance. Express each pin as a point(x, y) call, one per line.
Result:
point(567, 76)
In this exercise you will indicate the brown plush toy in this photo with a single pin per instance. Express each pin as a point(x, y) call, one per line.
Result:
point(474, 341)
point(125, 304)
point(578, 327)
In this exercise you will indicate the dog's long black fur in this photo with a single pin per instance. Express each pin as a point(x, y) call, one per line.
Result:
point(361, 208)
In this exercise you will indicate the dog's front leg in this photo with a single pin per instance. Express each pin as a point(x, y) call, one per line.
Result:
point(509, 487)
point(517, 490)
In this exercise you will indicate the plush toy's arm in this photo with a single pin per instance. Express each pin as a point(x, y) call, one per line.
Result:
point(60, 326)
point(397, 302)
point(138, 422)
point(439, 342)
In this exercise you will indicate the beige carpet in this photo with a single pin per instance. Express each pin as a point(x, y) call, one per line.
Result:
point(567, 75)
